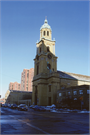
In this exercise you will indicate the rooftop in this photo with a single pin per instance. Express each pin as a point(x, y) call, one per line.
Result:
point(73, 76)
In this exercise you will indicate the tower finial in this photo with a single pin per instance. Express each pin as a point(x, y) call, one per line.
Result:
point(45, 20)
point(45, 17)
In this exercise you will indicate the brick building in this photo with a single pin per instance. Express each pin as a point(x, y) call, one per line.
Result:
point(14, 86)
point(74, 96)
point(26, 79)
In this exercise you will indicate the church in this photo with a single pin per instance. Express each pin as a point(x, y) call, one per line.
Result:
point(47, 80)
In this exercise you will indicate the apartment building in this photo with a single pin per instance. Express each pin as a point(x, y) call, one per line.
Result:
point(14, 86)
point(26, 79)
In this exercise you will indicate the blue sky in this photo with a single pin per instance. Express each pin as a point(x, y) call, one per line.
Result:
point(20, 30)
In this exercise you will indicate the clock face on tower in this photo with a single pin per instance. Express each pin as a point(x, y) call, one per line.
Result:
point(49, 56)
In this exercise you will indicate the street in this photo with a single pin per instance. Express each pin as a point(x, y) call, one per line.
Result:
point(35, 122)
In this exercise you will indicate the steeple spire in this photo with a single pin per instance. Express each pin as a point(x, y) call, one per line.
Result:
point(45, 20)
point(45, 30)
point(45, 17)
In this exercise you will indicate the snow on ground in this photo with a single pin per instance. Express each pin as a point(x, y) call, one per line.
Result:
point(84, 112)
point(68, 111)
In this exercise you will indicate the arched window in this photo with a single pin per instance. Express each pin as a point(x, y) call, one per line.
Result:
point(48, 49)
point(44, 33)
point(48, 66)
point(53, 69)
point(37, 69)
point(49, 88)
point(40, 49)
point(47, 33)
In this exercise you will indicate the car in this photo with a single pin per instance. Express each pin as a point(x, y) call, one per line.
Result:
point(13, 106)
point(31, 106)
point(36, 107)
point(48, 108)
point(42, 108)
point(22, 107)
point(5, 105)
point(0, 104)
point(9, 105)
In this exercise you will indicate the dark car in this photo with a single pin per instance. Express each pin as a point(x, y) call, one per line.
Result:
point(42, 108)
point(31, 106)
point(9, 105)
point(5, 105)
point(13, 106)
point(39, 108)
point(0, 104)
point(22, 107)
point(36, 107)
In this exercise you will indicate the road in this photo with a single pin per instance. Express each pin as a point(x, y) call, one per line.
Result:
point(34, 122)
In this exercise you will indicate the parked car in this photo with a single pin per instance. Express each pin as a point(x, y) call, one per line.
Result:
point(13, 106)
point(31, 106)
point(36, 107)
point(48, 108)
point(0, 104)
point(5, 105)
point(9, 105)
point(41, 108)
point(22, 107)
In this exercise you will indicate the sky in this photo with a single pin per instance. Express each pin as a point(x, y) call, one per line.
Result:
point(20, 30)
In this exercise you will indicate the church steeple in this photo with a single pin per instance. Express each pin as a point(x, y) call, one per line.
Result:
point(46, 36)
point(45, 30)
point(45, 59)
point(45, 68)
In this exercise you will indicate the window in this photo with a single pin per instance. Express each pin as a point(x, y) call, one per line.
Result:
point(80, 91)
point(75, 98)
point(40, 49)
point(49, 88)
point(64, 94)
point(37, 69)
point(68, 92)
point(49, 100)
point(44, 33)
point(48, 66)
point(60, 94)
point(53, 69)
point(47, 33)
point(27, 75)
point(27, 88)
point(88, 91)
point(48, 49)
point(27, 71)
point(63, 87)
point(74, 92)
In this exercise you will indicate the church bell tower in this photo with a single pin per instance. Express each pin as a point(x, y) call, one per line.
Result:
point(45, 67)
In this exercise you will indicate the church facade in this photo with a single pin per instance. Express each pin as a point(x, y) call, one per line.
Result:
point(47, 80)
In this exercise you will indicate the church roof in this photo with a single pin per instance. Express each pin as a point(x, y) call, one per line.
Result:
point(73, 76)
point(45, 25)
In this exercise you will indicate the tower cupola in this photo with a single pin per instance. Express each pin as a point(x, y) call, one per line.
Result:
point(45, 31)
